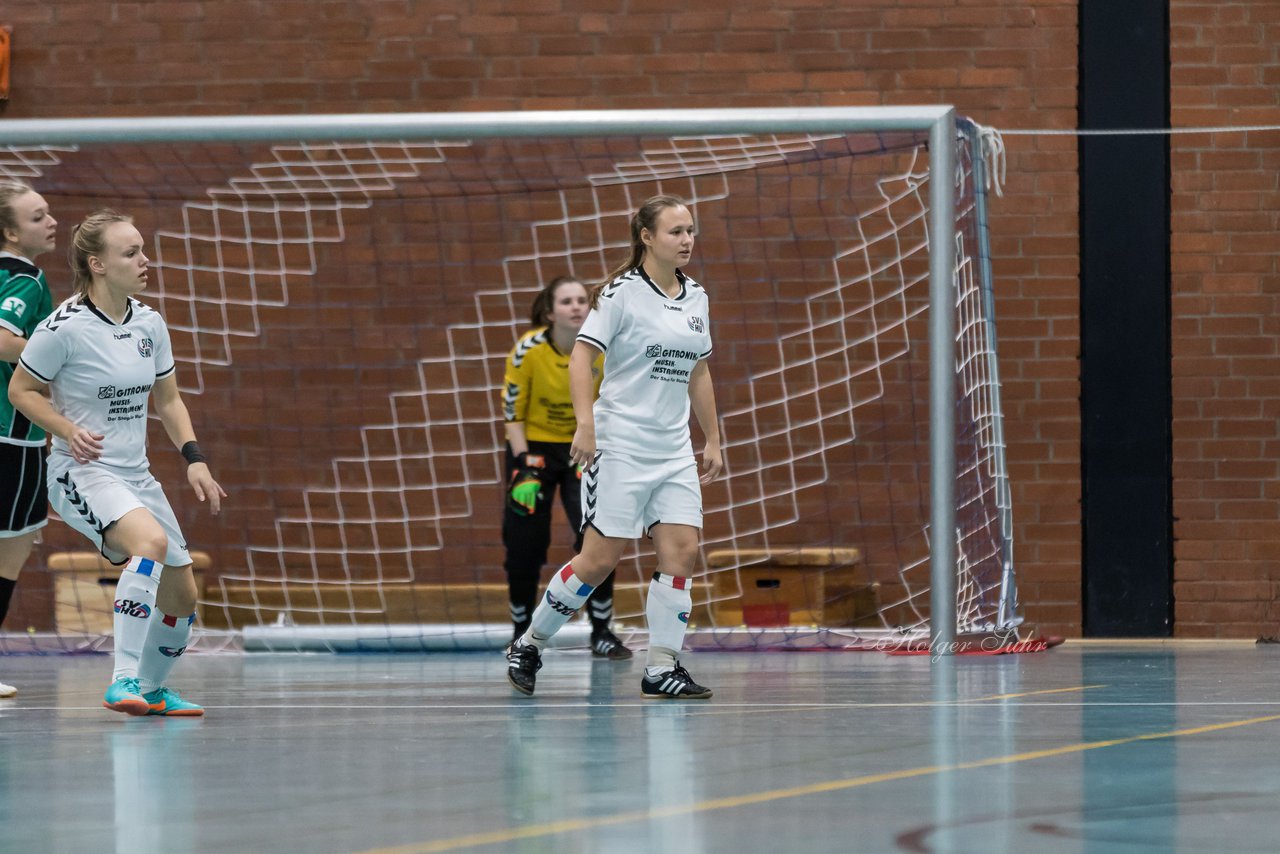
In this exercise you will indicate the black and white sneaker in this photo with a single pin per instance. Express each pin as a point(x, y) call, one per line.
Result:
point(523, 664)
point(605, 644)
point(675, 684)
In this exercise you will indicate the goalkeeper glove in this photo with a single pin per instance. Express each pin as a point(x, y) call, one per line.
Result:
point(526, 486)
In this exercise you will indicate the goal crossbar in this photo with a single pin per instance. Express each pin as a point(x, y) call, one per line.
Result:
point(397, 126)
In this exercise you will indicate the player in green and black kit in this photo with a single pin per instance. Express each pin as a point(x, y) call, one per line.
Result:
point(26, 231)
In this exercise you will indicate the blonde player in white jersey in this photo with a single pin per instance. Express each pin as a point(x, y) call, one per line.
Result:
point(102, 354)
point(641, 476)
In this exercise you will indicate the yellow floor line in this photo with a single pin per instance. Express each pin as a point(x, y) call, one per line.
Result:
point(572, 825)
point(1033, 693)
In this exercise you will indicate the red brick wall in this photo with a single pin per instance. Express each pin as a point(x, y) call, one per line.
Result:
point(1226, 305)
point(1007, 63)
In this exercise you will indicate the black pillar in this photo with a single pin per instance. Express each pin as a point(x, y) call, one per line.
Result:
point(1125, 359)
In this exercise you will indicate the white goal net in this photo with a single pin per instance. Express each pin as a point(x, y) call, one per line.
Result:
point(341, 312)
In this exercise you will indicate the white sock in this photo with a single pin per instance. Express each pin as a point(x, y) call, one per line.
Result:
point(667, 611)
point(167, 638)
point(134, 605)
point(565, 595)
point(659, 660)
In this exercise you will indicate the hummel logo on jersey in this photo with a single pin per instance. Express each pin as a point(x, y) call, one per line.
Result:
point(522, 349)
point(653, 351)
point(120, 336)
point(15, 305)
point(695, 323)
point(674, 308)
point(130, 608)
point(145, 348)
point(509, 401)
point(53, 321)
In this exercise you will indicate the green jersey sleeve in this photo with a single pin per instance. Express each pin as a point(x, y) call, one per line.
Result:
point(24, 302)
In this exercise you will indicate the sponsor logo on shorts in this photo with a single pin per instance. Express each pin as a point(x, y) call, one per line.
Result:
point(171, 652)
point(145, 347)
point(130, 608)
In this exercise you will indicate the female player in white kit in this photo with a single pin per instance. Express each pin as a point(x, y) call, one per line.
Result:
point(103, 354)
point(641, 476)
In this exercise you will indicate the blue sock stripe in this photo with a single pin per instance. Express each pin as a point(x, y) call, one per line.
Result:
point(565, 573)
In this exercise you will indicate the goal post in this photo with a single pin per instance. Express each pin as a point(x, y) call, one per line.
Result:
point(934, 128)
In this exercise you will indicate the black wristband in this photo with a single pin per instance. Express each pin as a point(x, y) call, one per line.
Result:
point(191, 453)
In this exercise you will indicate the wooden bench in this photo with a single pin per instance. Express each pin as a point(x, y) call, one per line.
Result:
point(791, 586)
point(84, 590)
point(234, 604)
point(779, 586)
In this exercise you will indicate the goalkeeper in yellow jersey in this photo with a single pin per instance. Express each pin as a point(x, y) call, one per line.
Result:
point(539, 422)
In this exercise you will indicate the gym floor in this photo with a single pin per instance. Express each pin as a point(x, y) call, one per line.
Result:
point(1084, 748)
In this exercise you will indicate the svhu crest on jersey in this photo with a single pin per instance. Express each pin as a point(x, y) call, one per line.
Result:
point(144, 347)
point(15, 305)
point(696, 324)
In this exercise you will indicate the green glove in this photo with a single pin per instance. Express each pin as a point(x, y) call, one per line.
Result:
point(526, 488)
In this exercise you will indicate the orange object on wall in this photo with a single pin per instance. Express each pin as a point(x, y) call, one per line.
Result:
point(4, 63)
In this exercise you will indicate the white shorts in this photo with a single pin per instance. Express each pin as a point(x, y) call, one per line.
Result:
point(92, 498)
point(624, 496)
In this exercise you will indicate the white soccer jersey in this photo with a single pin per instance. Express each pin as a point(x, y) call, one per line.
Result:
point(101, 373)
point(651, 344)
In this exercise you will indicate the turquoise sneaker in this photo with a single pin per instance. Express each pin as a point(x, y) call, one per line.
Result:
point(165, 701)
point(124, 695)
